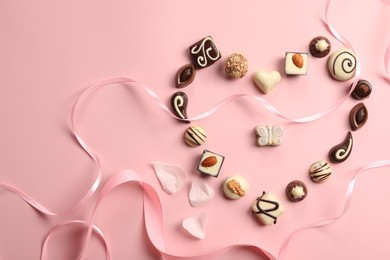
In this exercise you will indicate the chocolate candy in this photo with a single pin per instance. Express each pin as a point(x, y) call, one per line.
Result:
point(267, 208)
point(179, 102)
point(320, 171)
point(204, 53)
point(269, 135)
point(296, 63)
point(185, 75)
point(235, 187)
point(266, 81)
point(358, 116)
point(236, 66)
point(362, 90)
point(296, 191)
point(341, 152)
point(319, 47)
point(195, 136)
point(210, 163)
point(342, 65)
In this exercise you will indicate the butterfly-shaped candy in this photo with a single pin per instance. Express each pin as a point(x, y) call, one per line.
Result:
point(269, 135)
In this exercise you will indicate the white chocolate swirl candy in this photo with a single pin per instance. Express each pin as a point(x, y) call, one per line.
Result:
point(342, 65)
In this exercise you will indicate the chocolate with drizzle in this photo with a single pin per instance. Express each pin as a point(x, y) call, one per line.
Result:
point(266, 211)
point(320, 171)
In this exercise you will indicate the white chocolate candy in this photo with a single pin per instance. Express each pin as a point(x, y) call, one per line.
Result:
point(195, 136)
point(342, 65)
point(296, 63)
point(320, 171)
point(210, 163)
point(235, 187)
point(269, 135)
point(266, 81)
point(267, 208)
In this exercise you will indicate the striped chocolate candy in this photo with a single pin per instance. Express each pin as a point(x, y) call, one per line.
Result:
point(194, 136)
point(320, 171)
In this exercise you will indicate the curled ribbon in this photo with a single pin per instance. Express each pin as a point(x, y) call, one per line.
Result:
point(387, 52)
point(152, 205)
point(154, 218)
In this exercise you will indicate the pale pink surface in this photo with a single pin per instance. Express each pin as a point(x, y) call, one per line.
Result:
point(51, 51)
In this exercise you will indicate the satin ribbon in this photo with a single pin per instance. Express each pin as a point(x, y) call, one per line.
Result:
point(347, 203)
point(152, 206)
point(154, 218)
point(272, 109)
point(387, 52)
point(56, 229)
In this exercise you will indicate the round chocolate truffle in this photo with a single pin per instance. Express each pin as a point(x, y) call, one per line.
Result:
point(296, 191)
point(236, 66)
point(235, 187)
point(362, 90)
point(320, 171)
point(195, 136)
point(319, 47)
point(342, 65)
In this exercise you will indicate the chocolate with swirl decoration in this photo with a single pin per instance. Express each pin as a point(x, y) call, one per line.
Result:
point(179, 102)
point(204, 53)
point(341, 152)
point(342, 65)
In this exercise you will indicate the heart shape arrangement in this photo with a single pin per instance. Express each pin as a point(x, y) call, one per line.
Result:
point(266, 81)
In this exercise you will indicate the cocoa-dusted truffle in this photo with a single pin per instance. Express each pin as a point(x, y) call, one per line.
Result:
point(236, 66)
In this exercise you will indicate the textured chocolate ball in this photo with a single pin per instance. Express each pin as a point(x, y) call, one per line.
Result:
point(236, 66)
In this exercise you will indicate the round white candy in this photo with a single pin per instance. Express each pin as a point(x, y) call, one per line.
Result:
point(342, 65)
point(235, 187)
point(195, 136)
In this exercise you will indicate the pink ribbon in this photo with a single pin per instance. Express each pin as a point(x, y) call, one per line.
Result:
point(347, 203)
point(152, 206)
point(387, 52)
point(154, 218)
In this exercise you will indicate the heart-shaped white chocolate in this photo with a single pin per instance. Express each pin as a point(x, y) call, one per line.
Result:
point(266, 81)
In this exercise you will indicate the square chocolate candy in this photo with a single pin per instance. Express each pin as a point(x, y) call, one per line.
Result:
point(204, 53)
point(210, 163)
point(296, 63)
point(267, 208)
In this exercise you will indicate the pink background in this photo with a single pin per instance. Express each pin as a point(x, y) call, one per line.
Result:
point(50, 51)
